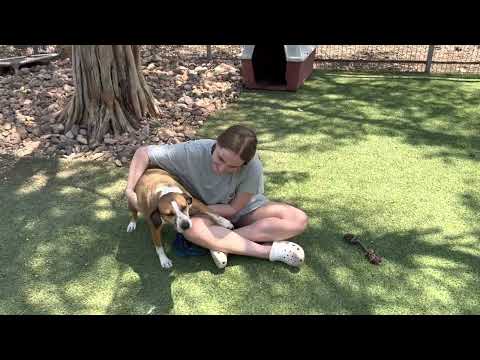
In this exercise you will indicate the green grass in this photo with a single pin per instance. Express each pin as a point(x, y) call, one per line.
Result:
point(395, 159)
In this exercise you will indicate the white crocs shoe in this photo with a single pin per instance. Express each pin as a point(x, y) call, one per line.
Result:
point(287, 252)
point(220, 258)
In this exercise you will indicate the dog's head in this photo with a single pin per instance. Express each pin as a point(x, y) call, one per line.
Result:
point(173, 208)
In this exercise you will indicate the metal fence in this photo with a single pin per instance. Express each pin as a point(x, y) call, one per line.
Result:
point(463, 59)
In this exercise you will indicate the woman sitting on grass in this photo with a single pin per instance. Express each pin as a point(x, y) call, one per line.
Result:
point(227, 175)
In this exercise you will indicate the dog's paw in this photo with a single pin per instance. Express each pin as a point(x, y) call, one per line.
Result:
point(224, 223)
point(131, 226)
point(166, 262)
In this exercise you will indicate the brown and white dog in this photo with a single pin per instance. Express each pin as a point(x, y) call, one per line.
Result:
point(163, 200)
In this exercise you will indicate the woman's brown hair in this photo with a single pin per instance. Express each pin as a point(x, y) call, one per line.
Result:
point(239, 139)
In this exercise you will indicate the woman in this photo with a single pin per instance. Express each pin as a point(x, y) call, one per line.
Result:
point(227, 175)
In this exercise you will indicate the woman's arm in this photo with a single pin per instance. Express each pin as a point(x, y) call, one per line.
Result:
point(138, 166)
point(229, 210)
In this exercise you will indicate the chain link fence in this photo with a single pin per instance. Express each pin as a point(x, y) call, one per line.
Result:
point(454, 59)
point(463, 59)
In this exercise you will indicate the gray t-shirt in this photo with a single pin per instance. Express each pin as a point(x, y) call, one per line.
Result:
point(191, 162)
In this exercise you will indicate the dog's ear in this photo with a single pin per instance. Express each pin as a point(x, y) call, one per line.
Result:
point(156, 218)
point(189, 199)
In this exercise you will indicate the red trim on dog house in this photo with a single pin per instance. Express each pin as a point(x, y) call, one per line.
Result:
point(263, 66)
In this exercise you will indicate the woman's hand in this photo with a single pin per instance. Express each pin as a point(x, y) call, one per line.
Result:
point(230, 210)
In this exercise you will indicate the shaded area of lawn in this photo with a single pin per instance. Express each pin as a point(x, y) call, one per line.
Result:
point(64, 248)
point(338, 109)
point(393, 159)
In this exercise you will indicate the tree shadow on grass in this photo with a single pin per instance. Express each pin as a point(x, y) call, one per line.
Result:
point(64, 248)
point(423, 273)
point(343, 110)
point(64, 225)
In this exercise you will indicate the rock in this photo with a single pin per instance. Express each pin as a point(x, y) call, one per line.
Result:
point(36, 131)
point(75, 129)
point(58, 128)
point(22, 132)
point(97, 156)
point(186, 100)
point(32, 145)
point(35, 83)
point(210, 107)
point(181, 106)
point(190, 133)
point(7, 126)
point(200, 69)
point(20, 118)
point(224, 69)
point(187, 87)
point(81, 139)
point(68, 88)
point(124, 160)
point(70, 135)
point(82, 132)
point(166, 133)
point(53, 107)
point(109, 141)
point(15, 137)
point(27, 102)
point(151, 66)
point(180, 70)
point(198, 111)
point(209, 75)
point(45, 128)
point(118, 163)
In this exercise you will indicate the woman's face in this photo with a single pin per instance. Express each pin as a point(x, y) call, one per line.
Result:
point(225, 161)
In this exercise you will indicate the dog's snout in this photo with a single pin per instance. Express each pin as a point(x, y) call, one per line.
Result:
point(184, 225)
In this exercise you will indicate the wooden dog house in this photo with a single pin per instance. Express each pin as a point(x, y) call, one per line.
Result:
point(276, 67)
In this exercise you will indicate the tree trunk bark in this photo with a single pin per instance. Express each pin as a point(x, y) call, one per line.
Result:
point(111, 94)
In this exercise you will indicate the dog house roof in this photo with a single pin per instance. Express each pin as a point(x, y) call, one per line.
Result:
point(294, 53)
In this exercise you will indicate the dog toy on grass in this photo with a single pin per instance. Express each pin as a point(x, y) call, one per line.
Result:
point(369, 253)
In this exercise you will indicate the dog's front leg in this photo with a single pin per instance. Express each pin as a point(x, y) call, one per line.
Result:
point(201, 208)
point(157, 240)
point(133, 218)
